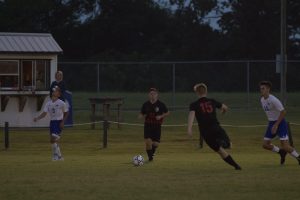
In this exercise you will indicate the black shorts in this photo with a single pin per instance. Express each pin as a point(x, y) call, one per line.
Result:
point(152, 132)
point(216, 137)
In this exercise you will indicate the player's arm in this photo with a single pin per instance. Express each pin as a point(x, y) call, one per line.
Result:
point(158, 117)
point(62, 123)
point(280, 118)
point(42, 115)
point(224, 108)
point(141, 116)
point(65, 111)
point(142, 113)
point(190, 123)
point(278, 105)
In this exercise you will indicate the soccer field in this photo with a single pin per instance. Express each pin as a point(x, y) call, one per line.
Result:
point(180, 169)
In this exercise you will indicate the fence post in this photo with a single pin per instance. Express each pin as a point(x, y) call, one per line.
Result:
point(6, 136)
point(248, 85)
point(173, 85)
point(105, 128)
point(98, 77)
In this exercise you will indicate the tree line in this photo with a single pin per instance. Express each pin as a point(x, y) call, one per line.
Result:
point(158, 30)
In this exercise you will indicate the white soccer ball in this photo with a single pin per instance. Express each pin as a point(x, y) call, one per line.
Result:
point(138, 160)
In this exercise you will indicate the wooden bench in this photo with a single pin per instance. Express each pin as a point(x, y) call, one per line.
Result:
point(106, 103)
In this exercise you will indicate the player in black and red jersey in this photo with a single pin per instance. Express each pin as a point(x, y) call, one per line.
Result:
point(205, 111)
point(153, 111)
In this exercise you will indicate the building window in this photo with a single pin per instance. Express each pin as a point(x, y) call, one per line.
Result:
point(28, 75)
point(9, 75)
point(42, 74)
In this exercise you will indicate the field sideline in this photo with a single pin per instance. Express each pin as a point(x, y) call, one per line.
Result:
point(180, 170)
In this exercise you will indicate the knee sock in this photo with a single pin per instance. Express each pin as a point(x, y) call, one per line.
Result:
point(294, 154)
point(54, 150)
point(281, 151)
point(231, 162)
point(154, 149)
point(275, 149)
point(150, 154)
point(58, 151)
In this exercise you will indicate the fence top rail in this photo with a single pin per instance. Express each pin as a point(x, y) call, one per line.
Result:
point(169, 62)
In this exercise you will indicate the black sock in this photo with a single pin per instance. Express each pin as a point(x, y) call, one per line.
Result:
point(150, 154)
point(154, 149)
point(231, 162)
point(281, 151)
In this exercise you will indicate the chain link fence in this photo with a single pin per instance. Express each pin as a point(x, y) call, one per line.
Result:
point(178, 77)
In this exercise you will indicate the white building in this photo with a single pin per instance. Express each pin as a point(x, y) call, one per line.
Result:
point(28, 62)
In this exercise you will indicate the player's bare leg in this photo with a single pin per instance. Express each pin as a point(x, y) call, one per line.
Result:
point(148, 143)
point(55, 147)
point(155, 144)
point(271, 147)
point(289, 149)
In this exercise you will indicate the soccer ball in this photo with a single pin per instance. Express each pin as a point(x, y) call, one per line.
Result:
point(138, 160)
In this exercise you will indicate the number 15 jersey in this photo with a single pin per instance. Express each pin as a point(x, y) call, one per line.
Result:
point(205, 112)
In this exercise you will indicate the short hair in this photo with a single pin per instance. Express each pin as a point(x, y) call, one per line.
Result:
point(200, 88)
point(56, 88)
point(153, 89)
point(266, 83)
point(59, 72)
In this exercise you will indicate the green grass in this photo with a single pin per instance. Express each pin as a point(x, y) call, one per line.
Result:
point(180, 170)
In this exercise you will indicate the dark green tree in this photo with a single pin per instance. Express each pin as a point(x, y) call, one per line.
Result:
point(251, 29)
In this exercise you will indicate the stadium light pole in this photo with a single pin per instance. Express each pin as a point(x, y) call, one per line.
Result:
point(173, 84)
point(98, 77)
point(283, 62)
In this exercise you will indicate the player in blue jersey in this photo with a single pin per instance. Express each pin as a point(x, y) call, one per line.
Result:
point(204, 109)
point(59, 82)
point(58, 112)
point(153, 111)
point(277, 125)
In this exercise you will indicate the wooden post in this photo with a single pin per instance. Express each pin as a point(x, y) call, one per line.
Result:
point(105, 128)
point(119, 115)
point(93, 116)
point(6, 136)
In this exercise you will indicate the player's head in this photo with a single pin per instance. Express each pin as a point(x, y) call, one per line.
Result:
point(59, 75)
point(265, 87)
point(200, 89)
point(153, 94)
point(56, 92)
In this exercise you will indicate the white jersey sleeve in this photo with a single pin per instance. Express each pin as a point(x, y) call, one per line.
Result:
point(272, 107)
point(46, 108)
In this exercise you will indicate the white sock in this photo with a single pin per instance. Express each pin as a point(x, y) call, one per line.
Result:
point(58, 151)
point(54, 150)
point(275, 149)
point(294, 153)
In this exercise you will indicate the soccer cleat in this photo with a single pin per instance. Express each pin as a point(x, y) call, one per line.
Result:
point(61, 158)
point(150, 159)
point(282, 154)
point(238, 168)
point(57, 158)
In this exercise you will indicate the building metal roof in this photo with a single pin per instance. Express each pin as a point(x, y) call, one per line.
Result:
point(28, 43)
